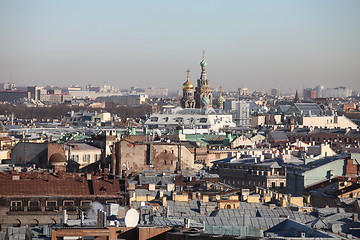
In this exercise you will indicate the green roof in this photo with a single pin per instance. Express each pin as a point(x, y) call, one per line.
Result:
point(212, 140)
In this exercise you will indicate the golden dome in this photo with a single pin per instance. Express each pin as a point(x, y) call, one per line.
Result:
point(188, 85)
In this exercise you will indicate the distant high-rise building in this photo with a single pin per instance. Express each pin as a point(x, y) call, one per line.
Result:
point(340, 92)
point(275, 92)
point(7, 86)
point(310, 93)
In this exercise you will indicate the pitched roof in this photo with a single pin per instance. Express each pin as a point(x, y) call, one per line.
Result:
point(308, 108)
point(278, 136)
point(62, 184)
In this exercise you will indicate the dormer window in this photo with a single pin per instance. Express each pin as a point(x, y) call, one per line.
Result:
point(203, 120)
point(154, 119)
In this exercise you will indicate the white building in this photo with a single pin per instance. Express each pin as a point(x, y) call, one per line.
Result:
point(328, 122)
point(157, 92)
point(341, 92)
point(240, 111)
point(201, 121)
point(82, 153)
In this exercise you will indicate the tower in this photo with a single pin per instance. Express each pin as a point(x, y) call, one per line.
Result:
point(188, 100)
point(296, 99)
point(203, 93)
point(219, 102)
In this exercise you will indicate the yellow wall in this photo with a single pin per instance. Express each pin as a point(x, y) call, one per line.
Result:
point(297, 201)
point(181, 198)
point(253, 199)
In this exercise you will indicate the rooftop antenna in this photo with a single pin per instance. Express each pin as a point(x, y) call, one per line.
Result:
point(131, 218)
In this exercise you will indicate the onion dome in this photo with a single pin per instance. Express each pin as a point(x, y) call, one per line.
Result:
point(188, 85)
point(221, 100)
point(205, 100)
point(203, 63)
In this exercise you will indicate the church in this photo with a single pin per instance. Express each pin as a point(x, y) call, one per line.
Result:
point(196, 115)
point(200, 96)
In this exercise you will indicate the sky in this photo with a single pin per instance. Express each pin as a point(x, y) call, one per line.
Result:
point(255, 44)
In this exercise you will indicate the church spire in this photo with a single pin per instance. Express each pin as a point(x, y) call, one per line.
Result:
point(203, 93)
point(296, 99)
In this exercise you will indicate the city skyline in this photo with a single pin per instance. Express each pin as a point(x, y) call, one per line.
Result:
point(258, 45)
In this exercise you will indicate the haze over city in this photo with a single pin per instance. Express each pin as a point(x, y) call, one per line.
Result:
point(253, 44)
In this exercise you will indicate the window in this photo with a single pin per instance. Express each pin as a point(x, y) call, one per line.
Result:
point(203, 120)
point(85, 203)
point(75, 158)
point(154, 119)
point(16, 206)
point(34, 206)
point(178, 119)
point(69, 205)
point(51, 206)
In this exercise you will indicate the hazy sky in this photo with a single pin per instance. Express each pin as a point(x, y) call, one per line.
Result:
point(254, 44)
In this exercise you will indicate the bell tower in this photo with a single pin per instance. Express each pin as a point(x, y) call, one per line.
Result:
point(188, 101)
point(203, 93)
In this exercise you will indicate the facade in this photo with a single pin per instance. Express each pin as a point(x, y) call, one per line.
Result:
point(7, 86)
point(249, 173)
point(130, 100)
point(203, 92)
point(240, 111)
point(37, 198)
point(49, 155)
point(191, 120)
point(157, 92)
point(314, 171)
point(328, 122)
point(309, 93)
point(82, 153)
point(40, 154)
point(12, 95)
point(136, 157)
point(85, 117)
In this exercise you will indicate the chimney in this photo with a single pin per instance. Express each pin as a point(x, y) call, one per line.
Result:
point(186, 223)
point(88, 176)
point(15, 177)
point(64, 217)
point(164, 201)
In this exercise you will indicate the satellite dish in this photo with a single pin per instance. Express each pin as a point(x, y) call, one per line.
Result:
point(131, 218)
